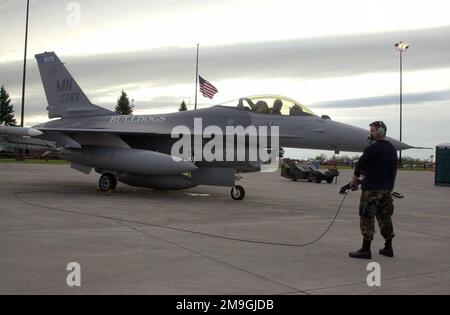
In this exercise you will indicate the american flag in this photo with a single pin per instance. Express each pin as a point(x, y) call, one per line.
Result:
point(208, 90)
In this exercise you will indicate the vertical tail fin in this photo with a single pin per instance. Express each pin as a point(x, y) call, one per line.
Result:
point(64, 96)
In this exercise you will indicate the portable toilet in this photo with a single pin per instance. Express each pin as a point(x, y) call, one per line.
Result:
point(442, 174)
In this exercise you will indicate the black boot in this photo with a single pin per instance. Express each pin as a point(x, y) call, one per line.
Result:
point(364, 252)
point(387, 250)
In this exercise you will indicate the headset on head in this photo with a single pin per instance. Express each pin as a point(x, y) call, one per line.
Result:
point(381, 131)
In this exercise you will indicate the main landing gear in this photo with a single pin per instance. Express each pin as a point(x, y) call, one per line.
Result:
point(107, 182)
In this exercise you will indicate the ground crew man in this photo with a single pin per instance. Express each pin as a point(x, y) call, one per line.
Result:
point(378, 165)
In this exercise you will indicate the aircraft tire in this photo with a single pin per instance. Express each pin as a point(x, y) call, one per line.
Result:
point(107, 182)
point(237, 192)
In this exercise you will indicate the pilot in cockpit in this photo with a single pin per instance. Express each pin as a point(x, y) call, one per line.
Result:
point(260, 106)
point(276, 108)
point(296, 110)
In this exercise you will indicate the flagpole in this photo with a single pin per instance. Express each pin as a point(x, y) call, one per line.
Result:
point(196, 79)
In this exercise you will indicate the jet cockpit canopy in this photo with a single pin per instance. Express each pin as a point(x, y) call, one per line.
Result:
point(271, 104)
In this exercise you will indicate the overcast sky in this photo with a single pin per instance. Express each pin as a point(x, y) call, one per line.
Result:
point(336, 57)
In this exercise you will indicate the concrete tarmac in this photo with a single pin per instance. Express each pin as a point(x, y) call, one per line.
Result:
point(140, 241)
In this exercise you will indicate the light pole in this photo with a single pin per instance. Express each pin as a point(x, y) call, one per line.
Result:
point(402, 48)
point(24, 67)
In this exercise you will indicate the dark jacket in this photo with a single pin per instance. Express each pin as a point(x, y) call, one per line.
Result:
point(378, 165)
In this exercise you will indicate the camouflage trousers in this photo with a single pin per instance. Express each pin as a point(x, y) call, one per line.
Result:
point(376, 204)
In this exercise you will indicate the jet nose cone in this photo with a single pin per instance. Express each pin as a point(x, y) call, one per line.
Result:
point(398, 144)
point(355, 139)
point(349, 138)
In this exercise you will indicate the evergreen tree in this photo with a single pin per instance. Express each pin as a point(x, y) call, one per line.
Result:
point(281, 153)
point(123, 106)
point(182, 107)
point(6, 109)
point(322, 157)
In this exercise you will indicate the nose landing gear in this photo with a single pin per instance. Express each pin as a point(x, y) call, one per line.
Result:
point(237, 192)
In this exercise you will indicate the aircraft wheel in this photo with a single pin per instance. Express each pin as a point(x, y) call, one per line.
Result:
point(237, 193)
point(107, 182)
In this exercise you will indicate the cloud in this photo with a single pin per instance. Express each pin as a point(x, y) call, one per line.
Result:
point(385, 100)
point(303, 59)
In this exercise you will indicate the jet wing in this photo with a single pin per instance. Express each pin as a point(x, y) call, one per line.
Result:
point(98, 130)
